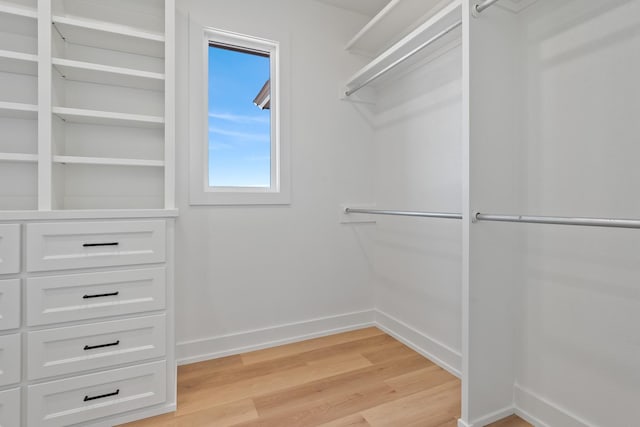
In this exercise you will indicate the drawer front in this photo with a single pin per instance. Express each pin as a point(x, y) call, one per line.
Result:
point(92, 295)
point(9, 248)
point(94, 346)
point(9, 304)
point(63, 246)
point(10, 359)
point(87, 397)
point(10, 408)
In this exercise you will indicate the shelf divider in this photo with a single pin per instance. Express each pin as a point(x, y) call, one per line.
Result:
point(107, 161)
point(110, 36)
point(18, 157)
point(79, 115)
point(108, 75)
point(17, 10)
point(18, 110)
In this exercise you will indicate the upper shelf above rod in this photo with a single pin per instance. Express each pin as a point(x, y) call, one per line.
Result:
point(434, 29)
point(394, 21)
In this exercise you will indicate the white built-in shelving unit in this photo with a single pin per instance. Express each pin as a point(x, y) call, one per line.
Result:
point(438, 30)
point(86, 105)
point(18, 104)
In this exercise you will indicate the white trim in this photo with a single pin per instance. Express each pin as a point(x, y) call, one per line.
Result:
point(87, 214)
point(242, 342)
point(489, 418)
point(439, 353)
point(200, 193)
point(542, 412)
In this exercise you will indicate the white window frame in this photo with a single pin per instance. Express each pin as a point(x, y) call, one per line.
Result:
point(200, 193)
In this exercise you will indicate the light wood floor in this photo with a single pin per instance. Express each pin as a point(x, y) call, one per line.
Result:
point(358, 379)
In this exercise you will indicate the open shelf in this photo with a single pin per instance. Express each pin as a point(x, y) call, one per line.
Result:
point(445, 19)
point(77, 115)
point(9, 8)
point(18, 157)
point(18, 111)
point(397, 19)
point(18, 62)
point(105, 35)
point(107, 161)
point(103, 74)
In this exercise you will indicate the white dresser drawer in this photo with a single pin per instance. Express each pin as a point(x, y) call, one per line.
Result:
point(84, 398)
point(9, 304)
point(10, 408)
point(88, 296)
point(10, 359)
point(63, 246)
point(9, 248)
point(75, 349)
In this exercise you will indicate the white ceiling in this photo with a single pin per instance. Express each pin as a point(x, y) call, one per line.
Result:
point(366, 7)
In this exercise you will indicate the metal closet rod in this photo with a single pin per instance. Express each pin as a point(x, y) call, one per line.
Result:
point(559, 220)
point(486, 4)
point(397, 62)
point(443, 215)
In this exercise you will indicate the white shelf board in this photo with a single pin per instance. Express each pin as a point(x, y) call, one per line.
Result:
point(103, 74)
point(17, 10)
point(442, 20)
point(397, 19)
point(107, 161)
point(18, 157)
point(105, 35)
point(78, 115)
point(18, 62)
point(18, 111)
point(34, 215)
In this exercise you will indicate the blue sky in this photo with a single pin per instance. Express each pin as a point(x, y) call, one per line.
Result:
point(239, 132)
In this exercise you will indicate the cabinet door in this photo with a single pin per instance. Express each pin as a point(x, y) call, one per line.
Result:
point(69, 245)
point(74, 297)
point(10, 359)
point(9, 248)
point(9, 304)
point(10, 407)
point(87, 397)
point(74, 349)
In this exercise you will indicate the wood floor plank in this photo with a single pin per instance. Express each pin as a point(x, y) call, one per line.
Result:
point(194, 399)
point(360, 378)
point(217, 416)
point(311, 393)
point(428, 408)
point(355, 420)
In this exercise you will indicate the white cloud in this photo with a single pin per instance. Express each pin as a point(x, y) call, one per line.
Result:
point(244, 136)
point(236, 118)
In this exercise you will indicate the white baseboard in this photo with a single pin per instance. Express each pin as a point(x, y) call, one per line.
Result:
point(541, 412)
point(439, 353)
point(242, 342)
point(489, 418)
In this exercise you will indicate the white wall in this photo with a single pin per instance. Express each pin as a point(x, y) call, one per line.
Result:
point(579, 342)
point(416, 262)
point(242, 269)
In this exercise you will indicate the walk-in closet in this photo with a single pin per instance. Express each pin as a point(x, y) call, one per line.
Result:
point(301, 213)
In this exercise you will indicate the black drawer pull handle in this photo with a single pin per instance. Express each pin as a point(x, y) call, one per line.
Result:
point(92, 347)
point(112, 294)
point(115, 393)
point(90, 245)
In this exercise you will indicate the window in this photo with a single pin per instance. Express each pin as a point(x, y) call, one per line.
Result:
point(238, 152)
